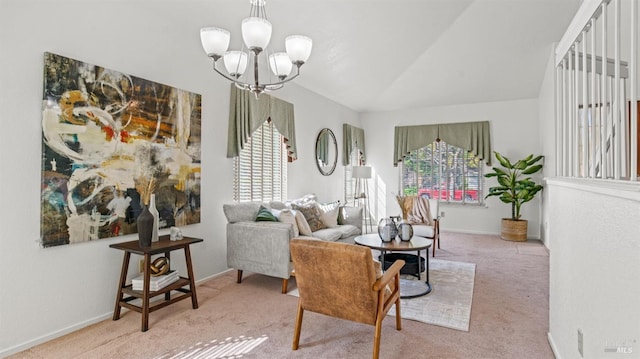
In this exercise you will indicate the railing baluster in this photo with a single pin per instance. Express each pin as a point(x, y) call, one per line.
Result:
point(575, 120)
point(617, 127)
point(633, 107)
point(594, 106)
point(565, 115)
point(604, 118)
point(584, 121)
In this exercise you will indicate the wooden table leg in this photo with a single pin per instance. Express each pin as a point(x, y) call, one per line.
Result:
point(167, 295)
point(145, 292)
point(192, 281)
point(121, 284)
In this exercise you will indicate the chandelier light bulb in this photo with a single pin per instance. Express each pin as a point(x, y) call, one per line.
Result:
point(215, 41)
point(280, 64)
point(235, 62)
point(256, 33)
point(298, 48)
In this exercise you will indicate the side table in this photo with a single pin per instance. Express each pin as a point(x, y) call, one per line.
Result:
point(408, 288)
point(125, 294)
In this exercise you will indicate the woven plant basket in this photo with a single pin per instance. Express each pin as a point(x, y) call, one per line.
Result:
point(515, 231)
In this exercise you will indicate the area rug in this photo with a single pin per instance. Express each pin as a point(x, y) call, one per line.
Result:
point(449, 303)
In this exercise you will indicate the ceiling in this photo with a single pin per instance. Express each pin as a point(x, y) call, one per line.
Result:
point(380, 55)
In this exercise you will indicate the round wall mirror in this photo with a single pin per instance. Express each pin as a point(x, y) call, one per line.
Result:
point(326, 152)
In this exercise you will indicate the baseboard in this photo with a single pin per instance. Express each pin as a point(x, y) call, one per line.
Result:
point(554, 349)
point(53, 335)
point(214, 276)
point(78, 326)
point(468, 232)
point(537, 238)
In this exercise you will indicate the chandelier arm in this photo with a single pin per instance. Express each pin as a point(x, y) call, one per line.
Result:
point(285, 80)
point(224, 75)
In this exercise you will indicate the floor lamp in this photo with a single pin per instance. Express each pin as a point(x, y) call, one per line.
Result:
point(361, 174)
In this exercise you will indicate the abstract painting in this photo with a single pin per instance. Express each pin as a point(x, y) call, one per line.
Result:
point(103, 131)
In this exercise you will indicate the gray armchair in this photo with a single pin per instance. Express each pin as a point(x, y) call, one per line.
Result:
point(263, 247)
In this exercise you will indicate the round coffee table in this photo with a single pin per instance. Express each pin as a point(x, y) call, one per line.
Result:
point(408, 288)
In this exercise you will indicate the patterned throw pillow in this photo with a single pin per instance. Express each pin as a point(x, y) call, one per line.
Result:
point(265, 215)
point(312, 214)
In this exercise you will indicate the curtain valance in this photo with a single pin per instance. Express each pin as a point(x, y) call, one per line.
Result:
point(471, 136)
point(246, 114)
point(352, 137)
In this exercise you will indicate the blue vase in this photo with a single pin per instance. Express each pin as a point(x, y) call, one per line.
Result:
point(145, 227)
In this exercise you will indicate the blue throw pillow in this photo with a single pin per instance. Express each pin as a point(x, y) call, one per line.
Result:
point(265, 215)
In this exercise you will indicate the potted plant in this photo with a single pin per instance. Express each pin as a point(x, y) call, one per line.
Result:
point(515, 187)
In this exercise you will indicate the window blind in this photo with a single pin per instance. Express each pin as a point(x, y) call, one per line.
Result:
point(261, 167)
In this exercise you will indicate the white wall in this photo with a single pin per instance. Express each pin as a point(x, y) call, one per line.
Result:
point(514, 133)
point(48, 292)
point(594, 268)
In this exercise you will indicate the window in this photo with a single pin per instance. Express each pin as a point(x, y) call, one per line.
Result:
point(355, 159)
point(443, 171)
point(261, 167)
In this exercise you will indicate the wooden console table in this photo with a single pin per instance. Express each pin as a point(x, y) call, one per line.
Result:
point(126, 294)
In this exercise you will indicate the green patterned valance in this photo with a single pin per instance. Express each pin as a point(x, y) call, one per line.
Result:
point(471, 136)
point(246, 114)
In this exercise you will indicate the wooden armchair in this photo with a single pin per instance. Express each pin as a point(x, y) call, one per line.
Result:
point(340, 280)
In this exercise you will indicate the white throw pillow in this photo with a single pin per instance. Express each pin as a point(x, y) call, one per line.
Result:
point(303, 226)
point(287, 216)
point(330, 213)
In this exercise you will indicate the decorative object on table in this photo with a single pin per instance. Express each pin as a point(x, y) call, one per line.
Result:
point(405, 231)
point(145, 225)
point(387, 229)
point(102, 129)
point(156, 282)
point(156, 218)
point(256, 33)
point(159, 266)
point(145, 221)
point(515, 189)
point(175, 234)
point(326, 152)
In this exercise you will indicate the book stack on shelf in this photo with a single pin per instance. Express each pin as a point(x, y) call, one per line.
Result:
point(156, 282)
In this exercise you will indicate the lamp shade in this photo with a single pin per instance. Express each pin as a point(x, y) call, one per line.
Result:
point(298, 48)
point(361, 172)
point(215, 41)
point(280, 64)
point(235, 62)
point(256, 32)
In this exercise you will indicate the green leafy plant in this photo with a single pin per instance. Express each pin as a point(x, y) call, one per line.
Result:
point(513, 187)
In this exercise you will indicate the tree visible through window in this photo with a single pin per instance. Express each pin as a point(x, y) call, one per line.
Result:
point(443, 171)
point(261, 168)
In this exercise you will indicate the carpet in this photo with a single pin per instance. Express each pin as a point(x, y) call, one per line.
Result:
point(229, 348)
point(449, 303)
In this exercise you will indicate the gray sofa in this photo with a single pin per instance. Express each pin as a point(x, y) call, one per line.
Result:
point(263, 247)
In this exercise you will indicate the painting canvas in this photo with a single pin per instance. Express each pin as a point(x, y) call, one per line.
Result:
point(103, 132)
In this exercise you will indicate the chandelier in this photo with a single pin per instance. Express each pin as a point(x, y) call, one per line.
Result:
point(256, 33)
